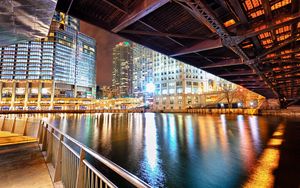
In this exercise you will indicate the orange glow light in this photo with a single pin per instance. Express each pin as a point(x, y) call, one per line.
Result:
point(250, 4)
point(257, 13)
point(280, 4)
point(283, 29)
point(248, 46)
point(264, 35)
point(229, 23)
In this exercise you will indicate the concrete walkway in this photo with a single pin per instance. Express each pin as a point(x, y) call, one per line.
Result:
point(23, 165)
point(7, 138)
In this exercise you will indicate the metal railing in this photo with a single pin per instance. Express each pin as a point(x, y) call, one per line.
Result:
point(25, 126)
point(71, 167)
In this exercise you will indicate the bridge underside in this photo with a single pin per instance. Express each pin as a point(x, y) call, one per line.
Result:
point(25, 20)
point(254, 43)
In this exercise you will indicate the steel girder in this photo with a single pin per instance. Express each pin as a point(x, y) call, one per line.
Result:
point(202, 13)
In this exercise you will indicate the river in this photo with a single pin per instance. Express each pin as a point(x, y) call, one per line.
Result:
point(174, 149)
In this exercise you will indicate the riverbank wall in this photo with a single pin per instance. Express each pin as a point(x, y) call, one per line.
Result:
point(276, 112)
point(72, 111)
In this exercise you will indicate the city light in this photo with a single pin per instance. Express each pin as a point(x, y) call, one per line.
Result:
point(150, 88)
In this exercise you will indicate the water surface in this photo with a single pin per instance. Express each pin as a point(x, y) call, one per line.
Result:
point(175, 150)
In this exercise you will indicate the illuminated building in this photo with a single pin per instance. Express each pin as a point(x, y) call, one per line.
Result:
point(34, 73)
point(122, 69)
point(142, 71)
point(170, 84)
point(181, 86)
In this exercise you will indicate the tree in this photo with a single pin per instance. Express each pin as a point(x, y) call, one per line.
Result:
point(230, 93)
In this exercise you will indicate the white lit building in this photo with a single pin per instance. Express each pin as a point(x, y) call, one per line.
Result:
point(143, 72)
point(180, 86)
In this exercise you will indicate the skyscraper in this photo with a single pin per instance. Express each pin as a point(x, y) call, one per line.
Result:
point(60, 66)
point(123, 69)
point(142, 70)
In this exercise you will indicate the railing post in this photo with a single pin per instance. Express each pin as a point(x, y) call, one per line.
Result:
point(57, 172)
point(25, 126)
point(80, 171)
point(44, 143)
point(49, 147)
point(40, 131)
point(13, 125)
point(2, 127)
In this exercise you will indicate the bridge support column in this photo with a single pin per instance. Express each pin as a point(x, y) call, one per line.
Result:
point(52, 95)
point(39, 94)
point(26, 94)
point(13, 95)
point(1, 87)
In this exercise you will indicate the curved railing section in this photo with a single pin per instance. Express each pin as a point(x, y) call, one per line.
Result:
point(71, 167)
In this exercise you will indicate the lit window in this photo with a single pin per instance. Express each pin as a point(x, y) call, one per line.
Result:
point(229, 23)
point(280, 4)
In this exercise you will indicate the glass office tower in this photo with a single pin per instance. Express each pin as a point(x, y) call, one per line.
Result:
point(122, 69)
point(34, 73)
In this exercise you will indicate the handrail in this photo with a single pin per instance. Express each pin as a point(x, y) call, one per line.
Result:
point(114, 167)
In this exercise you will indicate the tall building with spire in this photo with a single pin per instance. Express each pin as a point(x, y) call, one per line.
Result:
point(122, 74)
point(34, 73)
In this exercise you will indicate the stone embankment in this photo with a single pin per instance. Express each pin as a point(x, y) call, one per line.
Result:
point(285, 112)
point(72, 111)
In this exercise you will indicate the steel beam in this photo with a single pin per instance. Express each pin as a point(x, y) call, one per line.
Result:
point(279, 55)
point(280, 45)
point(144, 8)
point(224, 63)
point(161, 34)
point(237, 73)
point(238, 10)
point(119, 7)
point(154, 29)
point(201, 12)
point(282, 61)
point(271, 25)
point(245, 80)
point(204, 15)
point(201, 46)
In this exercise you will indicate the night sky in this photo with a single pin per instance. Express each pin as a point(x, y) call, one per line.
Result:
point(105, 42)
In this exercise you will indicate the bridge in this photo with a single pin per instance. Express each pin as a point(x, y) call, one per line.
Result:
point(253, 43)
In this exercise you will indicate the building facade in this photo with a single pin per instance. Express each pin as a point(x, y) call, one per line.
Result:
point(142, 71)
point(122, 74)
point(34, 73)
point(167, 83)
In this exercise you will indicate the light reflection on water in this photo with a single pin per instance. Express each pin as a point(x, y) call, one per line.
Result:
point(176, 150)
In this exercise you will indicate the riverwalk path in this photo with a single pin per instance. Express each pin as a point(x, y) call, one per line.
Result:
point(22, 163)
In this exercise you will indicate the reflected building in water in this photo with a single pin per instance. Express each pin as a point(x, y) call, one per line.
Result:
point(174, 150)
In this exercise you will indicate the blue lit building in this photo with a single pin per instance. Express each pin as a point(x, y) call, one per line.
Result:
point(59, 66)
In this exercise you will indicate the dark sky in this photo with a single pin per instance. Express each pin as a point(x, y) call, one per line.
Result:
point(105, 42)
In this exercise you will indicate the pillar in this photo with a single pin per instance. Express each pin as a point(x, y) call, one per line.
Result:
point(13, 94)
point(26, 94)
point(184, 101)
point(75, 91)
point(40, 94)
point(52, 95)
point(1, 87)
